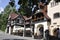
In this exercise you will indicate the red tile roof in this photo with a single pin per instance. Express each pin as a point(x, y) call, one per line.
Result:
point(13, 16)
point(27, 18)
point(44, 13)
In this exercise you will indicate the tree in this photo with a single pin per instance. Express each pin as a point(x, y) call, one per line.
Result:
point(4, 16)
point(12, 6)
point(12, 3)
point(26, 6)
point(3, 21)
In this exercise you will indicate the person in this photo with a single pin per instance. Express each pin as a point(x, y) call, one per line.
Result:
point(47, 34)
point(41, 32)
point(58, 33)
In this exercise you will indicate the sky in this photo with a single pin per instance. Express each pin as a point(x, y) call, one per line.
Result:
point(4, 3)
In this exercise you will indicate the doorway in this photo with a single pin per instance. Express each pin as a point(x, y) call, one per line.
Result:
point(41, 31)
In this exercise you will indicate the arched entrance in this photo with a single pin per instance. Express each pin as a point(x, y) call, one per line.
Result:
point(56, 32)
point(40, 29)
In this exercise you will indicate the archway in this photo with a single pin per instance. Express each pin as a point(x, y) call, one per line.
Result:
point(41, 31)
point(56, 32)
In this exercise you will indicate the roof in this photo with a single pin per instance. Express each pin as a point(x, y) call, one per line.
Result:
point(13, 16)
point(27, 18)
point(44, 13)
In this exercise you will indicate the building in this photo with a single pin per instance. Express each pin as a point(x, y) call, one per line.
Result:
point(33, 26)
point(54, 14)
point(15, 24)
point(41, 20)
point(19, 25)
point(28, 26)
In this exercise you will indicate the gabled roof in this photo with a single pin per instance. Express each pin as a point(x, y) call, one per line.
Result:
point(27, 18)
point(13, 15)
point(44, 13)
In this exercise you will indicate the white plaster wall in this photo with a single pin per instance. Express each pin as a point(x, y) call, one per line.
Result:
point(9, 30)
point(44, 25)
point(18, 28)
point(51, 11)
point(51, 29)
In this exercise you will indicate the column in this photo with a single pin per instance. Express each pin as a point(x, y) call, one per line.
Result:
point(24, 30)
point(9, 30)
point(31, 29)
point(32, 32)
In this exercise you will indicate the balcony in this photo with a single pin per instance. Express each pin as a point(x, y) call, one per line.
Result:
point(41, 19)
point(20, 22)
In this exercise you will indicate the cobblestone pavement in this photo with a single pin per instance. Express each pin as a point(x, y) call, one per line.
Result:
point(4, 36)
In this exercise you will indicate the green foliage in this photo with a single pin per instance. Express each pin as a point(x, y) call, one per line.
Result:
point(3, 21)
point(24, 4)
point(25, 8)
point(12, 3)
point(4, 16)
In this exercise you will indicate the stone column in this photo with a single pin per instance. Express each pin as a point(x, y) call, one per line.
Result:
point(24, 30)
point(32, 31)
point(9, 30)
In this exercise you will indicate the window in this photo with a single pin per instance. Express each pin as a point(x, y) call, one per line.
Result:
point(56, 15)
point(12, 22)
point(21, 21)
point(54, 4)
point(17, 20)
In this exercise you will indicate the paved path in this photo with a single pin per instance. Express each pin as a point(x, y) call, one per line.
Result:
point(4, 36)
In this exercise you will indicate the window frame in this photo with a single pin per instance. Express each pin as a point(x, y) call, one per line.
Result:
point(56, 15)
point(53, 4)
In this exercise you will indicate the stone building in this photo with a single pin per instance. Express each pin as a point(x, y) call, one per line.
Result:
point(41, 20)
point(54, 13)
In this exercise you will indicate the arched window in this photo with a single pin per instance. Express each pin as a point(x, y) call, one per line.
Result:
point(56, 15)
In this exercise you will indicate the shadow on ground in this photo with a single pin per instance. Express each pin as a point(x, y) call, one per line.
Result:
point(14, 39)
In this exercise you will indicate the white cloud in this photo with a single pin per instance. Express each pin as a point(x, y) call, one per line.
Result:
point(1, 9)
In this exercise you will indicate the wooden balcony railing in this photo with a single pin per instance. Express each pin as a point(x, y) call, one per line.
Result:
point(36, 19)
